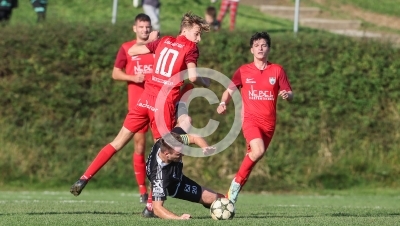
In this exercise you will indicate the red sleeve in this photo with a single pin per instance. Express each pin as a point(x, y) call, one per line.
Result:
point(192, 56)
point(284, 81)
point(236, 80)
point(152, 46)
point(120, 60)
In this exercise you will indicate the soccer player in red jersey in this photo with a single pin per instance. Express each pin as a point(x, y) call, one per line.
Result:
point(133, 70)
point(172, 55)
point(261, 83)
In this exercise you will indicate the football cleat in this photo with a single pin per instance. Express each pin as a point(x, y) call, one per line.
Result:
point(77, 188)
point(143, 198)
point(148, 213)
point(233, 192)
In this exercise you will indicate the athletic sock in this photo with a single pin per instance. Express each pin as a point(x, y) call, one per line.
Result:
point(139, 166)
point(149, 204)
point(101, 159)
point(244, 170)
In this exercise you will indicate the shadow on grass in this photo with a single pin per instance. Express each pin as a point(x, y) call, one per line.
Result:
point(260, 216)
point(264, 216)
point(363, 215)
point(75, 212)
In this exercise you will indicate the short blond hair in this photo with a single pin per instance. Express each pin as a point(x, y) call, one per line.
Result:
point(189, 19)
point(170, 141)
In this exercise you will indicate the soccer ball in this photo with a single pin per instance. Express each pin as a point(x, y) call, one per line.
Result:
point(222, 209)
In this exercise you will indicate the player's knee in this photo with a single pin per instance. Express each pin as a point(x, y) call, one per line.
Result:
point(139, 145)
point(139, 148)
point(187, 119)
point(208, 204)
point(260, 154)
point(122, 139)
point(257, 154)
point(184, 120)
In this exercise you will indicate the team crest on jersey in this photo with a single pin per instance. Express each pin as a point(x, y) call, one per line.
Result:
point(187, 188)
point(272, 80)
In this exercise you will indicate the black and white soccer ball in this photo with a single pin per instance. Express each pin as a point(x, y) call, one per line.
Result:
point(222, 209)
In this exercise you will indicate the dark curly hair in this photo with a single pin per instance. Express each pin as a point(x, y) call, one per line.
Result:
point(260, 35)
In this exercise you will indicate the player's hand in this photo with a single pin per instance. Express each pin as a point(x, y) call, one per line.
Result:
point(284, 94)
point(139, 78)
point(209, 150)
point(221, 108)
point(154, 35)
point(185, 216)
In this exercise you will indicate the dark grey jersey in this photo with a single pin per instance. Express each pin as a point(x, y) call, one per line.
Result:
point(165, 178)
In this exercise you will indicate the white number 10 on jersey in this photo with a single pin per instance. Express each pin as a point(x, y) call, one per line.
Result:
point(162, 61)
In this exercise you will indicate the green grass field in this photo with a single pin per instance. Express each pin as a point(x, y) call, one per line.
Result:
point(100, 11)
point(119, 207)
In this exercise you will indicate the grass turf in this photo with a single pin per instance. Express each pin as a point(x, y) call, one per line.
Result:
point(119, 207)
point(171, 11)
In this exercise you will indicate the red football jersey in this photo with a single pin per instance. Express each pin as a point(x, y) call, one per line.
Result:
point(260, 89)
point(171, 57)
point(133, 65)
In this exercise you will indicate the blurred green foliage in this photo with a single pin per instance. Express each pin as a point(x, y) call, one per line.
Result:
point(60, 106)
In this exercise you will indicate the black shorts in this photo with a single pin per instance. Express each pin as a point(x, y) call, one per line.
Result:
point(187, 190)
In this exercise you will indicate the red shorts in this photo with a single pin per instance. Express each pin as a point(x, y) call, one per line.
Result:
point(161, 118)
point(253, 129)
point(144, 129)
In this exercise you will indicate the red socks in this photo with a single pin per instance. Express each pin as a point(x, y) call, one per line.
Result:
point(244, 170)
point(101, 159)
point(149, 204)
point(139, 166)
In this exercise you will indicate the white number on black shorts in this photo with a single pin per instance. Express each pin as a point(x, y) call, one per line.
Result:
point(162, 61)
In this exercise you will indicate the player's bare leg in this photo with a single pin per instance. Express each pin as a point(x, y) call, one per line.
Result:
point(208, 196)
point(105, 154)
point(139, 164)
point(183, 119)
point(257, 151)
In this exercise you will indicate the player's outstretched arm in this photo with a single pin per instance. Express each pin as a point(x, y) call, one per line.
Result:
point(197, 140)
point(161, 212)
point(140, 47)
point(195, 78)
point(226, 97)
point(202, 143)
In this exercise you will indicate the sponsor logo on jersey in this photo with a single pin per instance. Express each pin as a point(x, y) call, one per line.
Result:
point(260, 94)
point(135, 58)
point(146, 105)
point(250, 80)
point(179, 45)
point(143, 69)
point(272, 80)
point(158, 191)
point(159, 80)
